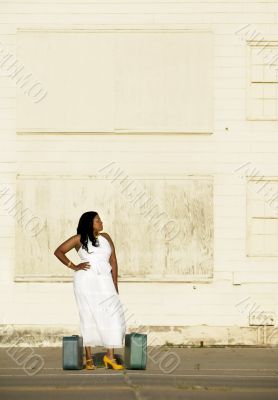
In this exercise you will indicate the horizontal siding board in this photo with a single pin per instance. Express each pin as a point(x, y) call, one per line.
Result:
point(166, 7)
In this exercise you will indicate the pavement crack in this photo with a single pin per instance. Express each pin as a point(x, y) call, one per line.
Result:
point(135, 387)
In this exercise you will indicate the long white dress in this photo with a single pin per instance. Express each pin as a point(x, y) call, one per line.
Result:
point(101, 314)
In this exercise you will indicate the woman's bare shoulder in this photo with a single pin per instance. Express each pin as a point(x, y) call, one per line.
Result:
point(108, 237)
point(105, 234)
point(76, 238)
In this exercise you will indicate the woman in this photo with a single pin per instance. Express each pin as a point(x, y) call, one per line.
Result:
point(102, 321)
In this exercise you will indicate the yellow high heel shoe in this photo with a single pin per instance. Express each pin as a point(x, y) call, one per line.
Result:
point(89, 364)
point(111, 362)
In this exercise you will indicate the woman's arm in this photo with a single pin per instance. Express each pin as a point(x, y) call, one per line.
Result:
point(113, 261)
point(64, 248)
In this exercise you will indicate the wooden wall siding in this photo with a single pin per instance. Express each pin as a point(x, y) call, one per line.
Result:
point(236, 142)
point(118, 80)
point(147, 249)
point(262, 80)
point(262, 217)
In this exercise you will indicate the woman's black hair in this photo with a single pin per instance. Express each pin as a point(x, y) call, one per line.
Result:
point(85, 229)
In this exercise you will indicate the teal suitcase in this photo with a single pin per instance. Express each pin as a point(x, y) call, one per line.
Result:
point(72, 352)
point(135, 350)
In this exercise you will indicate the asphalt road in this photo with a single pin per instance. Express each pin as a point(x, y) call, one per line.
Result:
point(171, 373)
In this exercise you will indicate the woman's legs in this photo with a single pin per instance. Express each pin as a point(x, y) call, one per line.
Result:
point(89, 359)
point(88, 352)
point(110, 353)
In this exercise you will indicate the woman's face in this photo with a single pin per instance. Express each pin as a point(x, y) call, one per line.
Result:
point(97, 224)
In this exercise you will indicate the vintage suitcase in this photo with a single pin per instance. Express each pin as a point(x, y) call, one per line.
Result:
point(135, 351)
point(72, 352)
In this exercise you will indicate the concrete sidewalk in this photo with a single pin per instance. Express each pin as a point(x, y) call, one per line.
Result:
point(171, 373)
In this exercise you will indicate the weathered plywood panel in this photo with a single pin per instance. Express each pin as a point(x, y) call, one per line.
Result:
point(190, 203)
point(117, 80)
point(164, 233)
point(59, 203)
point(140, 243)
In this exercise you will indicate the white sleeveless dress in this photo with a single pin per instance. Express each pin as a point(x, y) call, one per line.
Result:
point(101, 314)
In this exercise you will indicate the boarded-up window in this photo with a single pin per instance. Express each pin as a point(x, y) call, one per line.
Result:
point(262, 79)
point(117, 81)
point(162, 228)
point(262, 217)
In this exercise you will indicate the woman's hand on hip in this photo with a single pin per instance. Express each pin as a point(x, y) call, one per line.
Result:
point(85, 265)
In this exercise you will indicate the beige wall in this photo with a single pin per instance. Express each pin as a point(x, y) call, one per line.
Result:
point(53, 154)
